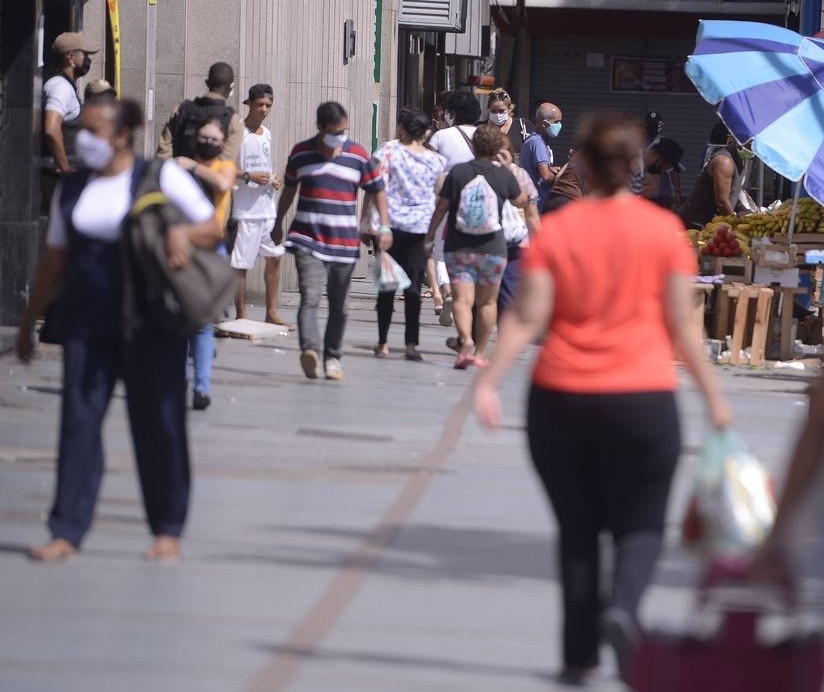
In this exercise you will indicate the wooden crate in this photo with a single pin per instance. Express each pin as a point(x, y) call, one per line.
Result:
point(744, 313)
point(733, 268)
point(801, 242)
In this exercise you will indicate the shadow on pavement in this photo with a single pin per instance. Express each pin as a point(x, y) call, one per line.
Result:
point(406, 661)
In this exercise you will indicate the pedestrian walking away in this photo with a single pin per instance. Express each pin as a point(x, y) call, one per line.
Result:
point(612, 303)
point(83, 249)
point(254, 206)
point(472, 200)
point(454, 143)
point(519, 226)
point(177, 136)
point(216, 178)
point(325, 172)
point(413, 176)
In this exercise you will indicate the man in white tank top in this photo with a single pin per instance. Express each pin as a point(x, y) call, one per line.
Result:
point(254, 207)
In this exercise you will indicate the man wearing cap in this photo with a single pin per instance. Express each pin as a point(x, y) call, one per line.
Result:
point(253, 205)
point(663, 189)
point(660, 157)
point(98, 87)
point(61, 107)
point(177, 136)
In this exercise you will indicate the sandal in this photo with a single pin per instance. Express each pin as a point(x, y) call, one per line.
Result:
point(414, 355)
point(380, 350)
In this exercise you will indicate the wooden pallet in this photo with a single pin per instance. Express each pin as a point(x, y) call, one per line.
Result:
point(745, 331)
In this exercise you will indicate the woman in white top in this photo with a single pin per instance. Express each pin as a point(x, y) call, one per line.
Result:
point(83, 253)
point(454, 143)
point(414, 176)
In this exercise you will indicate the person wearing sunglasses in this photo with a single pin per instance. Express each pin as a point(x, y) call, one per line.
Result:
point(502, 114)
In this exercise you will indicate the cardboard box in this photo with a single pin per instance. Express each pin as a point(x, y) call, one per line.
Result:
point(787, 278)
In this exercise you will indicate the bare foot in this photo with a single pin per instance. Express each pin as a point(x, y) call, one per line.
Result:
point(165, 549)
point(55, 550)
point(280, 321)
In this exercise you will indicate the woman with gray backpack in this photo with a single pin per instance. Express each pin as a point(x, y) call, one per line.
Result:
point(475, 248)
point(89, 223)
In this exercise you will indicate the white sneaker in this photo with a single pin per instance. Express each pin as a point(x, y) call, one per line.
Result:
point(333, 369)
point(445, 318)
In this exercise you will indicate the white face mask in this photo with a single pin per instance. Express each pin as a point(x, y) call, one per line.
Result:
point(498, 119)
point(335, 141)
point(449, 119)
point(95, 152)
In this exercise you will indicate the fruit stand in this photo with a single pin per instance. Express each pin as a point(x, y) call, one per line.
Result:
point(760, 272)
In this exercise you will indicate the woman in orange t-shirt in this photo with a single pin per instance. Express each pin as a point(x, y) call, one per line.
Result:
point(607, 278)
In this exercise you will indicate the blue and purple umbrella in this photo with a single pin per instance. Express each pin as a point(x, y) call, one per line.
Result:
point(767, 84)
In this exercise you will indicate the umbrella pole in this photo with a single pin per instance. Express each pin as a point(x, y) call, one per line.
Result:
point(794, 212)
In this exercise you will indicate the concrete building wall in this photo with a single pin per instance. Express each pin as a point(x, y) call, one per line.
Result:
point(294, 45)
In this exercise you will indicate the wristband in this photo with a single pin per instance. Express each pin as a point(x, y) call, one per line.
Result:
point(382, 230)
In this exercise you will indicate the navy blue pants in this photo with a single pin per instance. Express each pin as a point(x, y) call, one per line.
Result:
point(152, 368)
point(510, 278)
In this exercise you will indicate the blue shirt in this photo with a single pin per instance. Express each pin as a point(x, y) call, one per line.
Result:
point(533, 153)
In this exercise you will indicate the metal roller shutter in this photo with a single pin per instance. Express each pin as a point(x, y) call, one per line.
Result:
point(559, 73)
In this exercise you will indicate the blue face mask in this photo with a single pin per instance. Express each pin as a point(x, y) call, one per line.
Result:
point(553, 129)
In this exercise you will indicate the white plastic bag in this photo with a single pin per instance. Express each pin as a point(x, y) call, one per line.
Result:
point(733, 505)
point(388, 274)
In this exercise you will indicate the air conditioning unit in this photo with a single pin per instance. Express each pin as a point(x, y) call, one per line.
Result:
point(433, 15)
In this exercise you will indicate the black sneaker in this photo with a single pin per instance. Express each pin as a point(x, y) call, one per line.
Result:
point(200, 401)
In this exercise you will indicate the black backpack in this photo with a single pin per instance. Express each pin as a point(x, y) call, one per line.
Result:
point(190, 115)
point(176, 301)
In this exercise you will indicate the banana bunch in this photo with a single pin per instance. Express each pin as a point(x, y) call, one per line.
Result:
point(808, 219)
point(758, 225)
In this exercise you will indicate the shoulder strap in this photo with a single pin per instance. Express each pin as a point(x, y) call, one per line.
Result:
point(466, 139)
point(72, 187)
point(145, 176)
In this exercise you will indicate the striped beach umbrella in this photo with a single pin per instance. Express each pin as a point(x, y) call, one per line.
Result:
point(766, 83)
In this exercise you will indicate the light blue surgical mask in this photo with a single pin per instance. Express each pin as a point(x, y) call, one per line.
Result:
point(553, 129)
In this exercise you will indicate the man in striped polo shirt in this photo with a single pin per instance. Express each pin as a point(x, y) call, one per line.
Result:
point(325, 172)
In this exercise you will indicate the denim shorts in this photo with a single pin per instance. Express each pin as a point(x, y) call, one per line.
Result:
point(480, 268)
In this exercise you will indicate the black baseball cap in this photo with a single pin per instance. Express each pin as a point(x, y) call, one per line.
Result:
point(258, 91)
point(670, 151)
point(653, 119)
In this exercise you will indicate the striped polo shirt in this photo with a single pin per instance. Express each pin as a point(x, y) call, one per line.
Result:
point(326, 222)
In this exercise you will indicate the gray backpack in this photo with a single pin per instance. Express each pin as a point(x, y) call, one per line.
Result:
point(177, 301)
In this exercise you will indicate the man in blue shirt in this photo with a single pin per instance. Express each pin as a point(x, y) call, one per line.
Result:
point(536, 155)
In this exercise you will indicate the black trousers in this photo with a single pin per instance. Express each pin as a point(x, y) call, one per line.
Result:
point(408, 251)
point(606, 463)
point(152, 368)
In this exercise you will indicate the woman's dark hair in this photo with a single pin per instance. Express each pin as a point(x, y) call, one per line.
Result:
point(464, 105)
point(414, 122)
point(201, 122)
point(487, 141)
point(608, 145)
point(330, 113)
point(127, 113)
